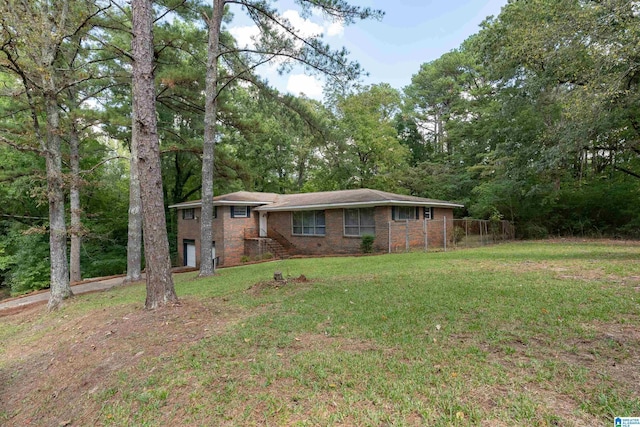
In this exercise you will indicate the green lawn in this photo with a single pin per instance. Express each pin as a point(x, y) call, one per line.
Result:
point(521, 334)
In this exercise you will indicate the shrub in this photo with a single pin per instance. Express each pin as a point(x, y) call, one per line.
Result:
point(458, 234)
point(366, 245)
point(30, 271)
point(534, 231)
point(108, 266)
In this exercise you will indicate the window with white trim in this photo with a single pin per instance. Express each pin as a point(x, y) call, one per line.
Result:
point(402, 213)
point(239, 211)
point(309, 223)
point(359, 222)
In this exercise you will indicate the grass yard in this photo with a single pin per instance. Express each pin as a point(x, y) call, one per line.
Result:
point(522, 334)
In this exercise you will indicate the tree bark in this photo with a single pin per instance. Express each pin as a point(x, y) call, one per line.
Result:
point(208, 145)
point(134, 233)
point(74, 201)
point(160, 289)
point(60, 289)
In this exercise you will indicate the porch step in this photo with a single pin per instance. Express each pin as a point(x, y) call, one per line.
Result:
point(277, 249)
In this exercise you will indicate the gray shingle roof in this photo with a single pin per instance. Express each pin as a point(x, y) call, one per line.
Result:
point(250, 198)
point(363, 197)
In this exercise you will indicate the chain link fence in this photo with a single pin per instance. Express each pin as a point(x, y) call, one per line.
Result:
point(446, 234)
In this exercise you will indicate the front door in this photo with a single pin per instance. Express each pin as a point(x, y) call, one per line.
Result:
point(189, 253)
point(263, 224)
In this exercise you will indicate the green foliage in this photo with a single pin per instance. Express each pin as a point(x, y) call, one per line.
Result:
point(366, 243)
point(531, 120)
point(600, 208)
point(364, 151)
point(105, 202)
point(98, 261)
point(29, 262)
point(459, 234)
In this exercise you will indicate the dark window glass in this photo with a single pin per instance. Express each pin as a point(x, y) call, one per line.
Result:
point(358, 222)
point(310, 223)
point(403, 213)
point(239, 211)
point(188, 213)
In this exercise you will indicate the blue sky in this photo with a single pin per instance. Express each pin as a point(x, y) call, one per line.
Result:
point(411, 33)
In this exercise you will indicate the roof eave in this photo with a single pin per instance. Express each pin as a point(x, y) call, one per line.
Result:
point(269, 208)
point(188, 205)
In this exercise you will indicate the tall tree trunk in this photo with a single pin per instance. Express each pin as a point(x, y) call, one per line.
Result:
point(60, 288)
point(160, 289)
point(208, 146)
point(134, 233)
point(74, 201)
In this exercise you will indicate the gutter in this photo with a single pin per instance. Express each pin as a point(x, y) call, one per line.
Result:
point(187, 205)
point(269, 208)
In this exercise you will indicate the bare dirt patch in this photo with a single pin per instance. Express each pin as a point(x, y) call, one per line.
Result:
point(61, 360)
point(260, 287)
point(610, 354)
point(613, 352)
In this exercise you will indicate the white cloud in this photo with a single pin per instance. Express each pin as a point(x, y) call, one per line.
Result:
point(296, 84)
point(305, 27)
point(245, 36)
point(335, 29)
point(308, 85)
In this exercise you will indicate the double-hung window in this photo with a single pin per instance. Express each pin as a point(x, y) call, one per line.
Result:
point(359, 222)
point(309, 223)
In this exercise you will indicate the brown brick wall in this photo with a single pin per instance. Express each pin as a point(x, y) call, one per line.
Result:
point(436, 230)
point(383, 216)
point(232, 247)
point(334, 241)
point(234, 233)
point(330, 243)
point(188, 229)
point(421, 235)
point(228, 234)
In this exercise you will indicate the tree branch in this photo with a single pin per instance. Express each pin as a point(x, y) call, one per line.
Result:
point(23, 217)
point(169, 11)
point(288, 29)
point(21, 147)
point(96, 166)
point(627, 171)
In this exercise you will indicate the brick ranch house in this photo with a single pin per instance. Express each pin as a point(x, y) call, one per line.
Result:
point(250, 224)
